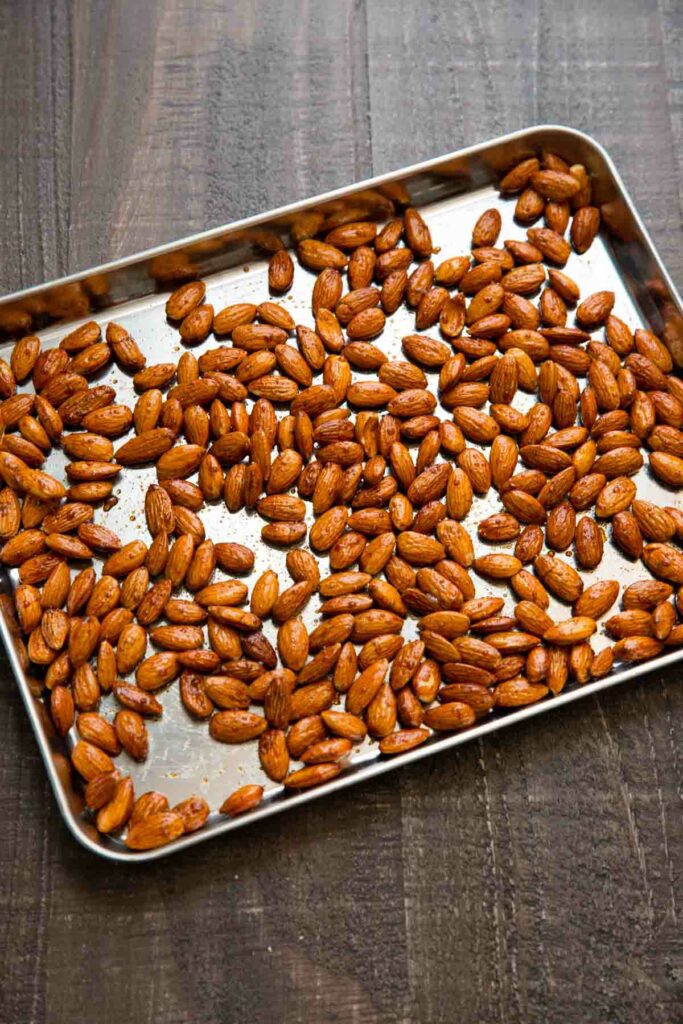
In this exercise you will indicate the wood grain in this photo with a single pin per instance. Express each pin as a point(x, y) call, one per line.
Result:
point(531, 877)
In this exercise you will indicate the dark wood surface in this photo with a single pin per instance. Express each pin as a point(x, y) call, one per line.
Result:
point(532, 877)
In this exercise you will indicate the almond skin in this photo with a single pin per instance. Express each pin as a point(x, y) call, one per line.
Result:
point(597, 599)
point(280, 271)
point(637, 648)
point(312, 775)
point(236, 726)
point(570, 631)
point(559, 577)
point(588, 543)
point(403, 740)
point(242, 800)
point(486, 229)
point(450, 716)
point(555, 185)
point(155, 830)
point(518, 692)
point(131, 733)
point(519, 176)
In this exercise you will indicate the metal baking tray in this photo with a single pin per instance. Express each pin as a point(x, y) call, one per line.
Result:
point(451, 191)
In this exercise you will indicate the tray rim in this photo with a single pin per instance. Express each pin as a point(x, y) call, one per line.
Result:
point(423, 166)
point(446, 742)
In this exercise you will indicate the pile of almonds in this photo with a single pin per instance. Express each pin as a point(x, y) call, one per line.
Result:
point(273, 419)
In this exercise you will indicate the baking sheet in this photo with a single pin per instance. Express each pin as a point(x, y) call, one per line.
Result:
point(451, 193)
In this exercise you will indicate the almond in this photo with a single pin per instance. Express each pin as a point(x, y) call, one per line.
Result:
point(194, 811)
point(646, 594)
point(555, 185)
point(116, 813)
point(518, 692)
point(316, 255)
point(637, 648)
point(403, 740)
point(155, 830)
point(184, 299)
point(627, 535)
point(312, 775)
point(597, 599)
point(519, 176)
point(131, 733)
point(487, 228)
point(633, 622)
point(273, 754)
point(614, 497)
point(570, 631)
point(588, 543)
point(236, 726)
point(450, 716)
point(242, 800)
point(664, 560)
point(585, 227)
point(667, 468)
point(559, 577)
point(280, 271)
point(553, 246)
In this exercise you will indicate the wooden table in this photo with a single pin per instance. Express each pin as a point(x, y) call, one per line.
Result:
point(533, 877)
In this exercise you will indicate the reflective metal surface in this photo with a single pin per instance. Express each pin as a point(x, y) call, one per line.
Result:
point(451, 193)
